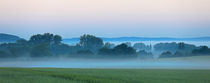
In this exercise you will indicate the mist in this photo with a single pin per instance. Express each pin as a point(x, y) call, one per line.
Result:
point(47, 51)
point(169, 63)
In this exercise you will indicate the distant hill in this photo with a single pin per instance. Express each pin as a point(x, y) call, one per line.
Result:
point(144, 39)
point(5, 38)
point(156, 39)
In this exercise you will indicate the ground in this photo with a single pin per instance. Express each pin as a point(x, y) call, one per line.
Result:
point(67, 75)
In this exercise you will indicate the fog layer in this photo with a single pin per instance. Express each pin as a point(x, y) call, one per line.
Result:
point(173, 63)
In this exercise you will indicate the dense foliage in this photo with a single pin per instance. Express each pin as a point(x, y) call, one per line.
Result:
point(142, 46)
point(145, 55)
point(90, 42)
point(50, 45)
point(122, 50)
point(173, 47)
point(204, 50)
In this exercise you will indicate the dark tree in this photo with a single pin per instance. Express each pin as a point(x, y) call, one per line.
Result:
point(40, 50)
point(121, 50)
point(178, 54)
point(181, 46)
point(109, 45)
point(106, 51)
point(84, 52)
point(173, 47)
point(22, 42)
point(128, 44)
point(166, 55)
point(60, 49)
point(204, 50)
point(57, 39)
point(142, 46)
point(45, 38)
point(90, 42)
point(142, 54)
point(4, 54)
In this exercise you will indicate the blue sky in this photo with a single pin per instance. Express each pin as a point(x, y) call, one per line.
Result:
point(106, 18)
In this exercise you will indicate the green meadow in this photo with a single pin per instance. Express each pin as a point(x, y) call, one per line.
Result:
point(67, 75)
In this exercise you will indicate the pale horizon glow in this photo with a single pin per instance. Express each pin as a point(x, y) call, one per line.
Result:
point(106, 18)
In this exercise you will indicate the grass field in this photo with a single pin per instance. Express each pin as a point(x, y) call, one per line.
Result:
point(58, 75)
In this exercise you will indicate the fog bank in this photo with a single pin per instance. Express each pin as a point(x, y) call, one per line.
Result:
point(173, 63)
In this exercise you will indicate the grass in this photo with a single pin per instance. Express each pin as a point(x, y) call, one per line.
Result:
point(58, 75)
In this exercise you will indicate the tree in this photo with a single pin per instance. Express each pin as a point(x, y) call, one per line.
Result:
point(84, 52)
point(173, 47)
point(106, 51)
point(123, 49)
point(40, 50)
point(166, 55)
point(22, 42)
point(204, 50)
point(57, 39)
point(142, 46)
point(45, 38)
point(128, 44)
point(181, 46)
point(108, 45)
point(142, 54)
point(60, 49)
point(14, 49)
point(90, 42)
point(4, 54)
point(178, 54)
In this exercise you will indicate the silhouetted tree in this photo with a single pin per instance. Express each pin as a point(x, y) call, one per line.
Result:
point(123, 49)
point(142, 54)
point(4, 54)
point(178, 54)
point(106, 51)
point(119, 50)
point(84, 52)
point(204, 50)
point(181, 46)
point(90, 42)
point(128, 44)
point(45, 38)
point(166, 55)
point(109, 45)
point(22, 42)
point(173, 47)
point(57, 39)
point(40, 50)
point(142, 46)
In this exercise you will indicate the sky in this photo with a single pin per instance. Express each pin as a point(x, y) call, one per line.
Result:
point(106, 18)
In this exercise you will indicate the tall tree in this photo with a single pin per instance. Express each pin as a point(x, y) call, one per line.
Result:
point(45, 38)
point(57, 39)
point(90, 42)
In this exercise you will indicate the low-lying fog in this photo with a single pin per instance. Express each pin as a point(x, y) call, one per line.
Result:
point(197, 43)
point(172, 63)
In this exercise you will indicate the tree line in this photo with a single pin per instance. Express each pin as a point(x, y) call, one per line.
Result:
point(50, 45)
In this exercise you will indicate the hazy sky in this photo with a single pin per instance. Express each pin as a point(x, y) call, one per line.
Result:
point(107, 18)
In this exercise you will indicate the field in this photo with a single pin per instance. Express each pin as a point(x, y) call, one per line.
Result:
point(66, 75)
